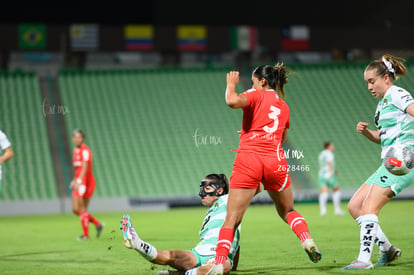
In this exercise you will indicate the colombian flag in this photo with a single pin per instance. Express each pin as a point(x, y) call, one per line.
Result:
point(139, 37)
point(192, 37)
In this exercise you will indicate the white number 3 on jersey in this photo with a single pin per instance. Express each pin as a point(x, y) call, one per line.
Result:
point(274, 112)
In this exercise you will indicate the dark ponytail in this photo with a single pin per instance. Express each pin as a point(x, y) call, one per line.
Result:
point(276, 76)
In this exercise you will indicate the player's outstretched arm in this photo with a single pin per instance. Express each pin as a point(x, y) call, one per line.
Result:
point(369, 134)
point(233, 99)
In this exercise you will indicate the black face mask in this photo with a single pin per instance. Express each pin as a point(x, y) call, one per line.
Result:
point(212, 193)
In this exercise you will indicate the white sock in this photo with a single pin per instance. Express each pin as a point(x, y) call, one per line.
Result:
point(336, 199)
point(369, 227)
point(191, 271)
point(382, 241)
point(146, 249)
point(323, 200)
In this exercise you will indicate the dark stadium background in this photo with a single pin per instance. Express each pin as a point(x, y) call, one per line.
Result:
point(332, 13)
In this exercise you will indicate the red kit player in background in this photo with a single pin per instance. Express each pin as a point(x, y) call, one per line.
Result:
point(83, 184)
point(260, 158)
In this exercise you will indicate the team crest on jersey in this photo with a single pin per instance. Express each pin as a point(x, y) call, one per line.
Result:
point(384, 103)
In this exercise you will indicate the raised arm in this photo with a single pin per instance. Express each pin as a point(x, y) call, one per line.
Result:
point(369, 134)
point(233, 99)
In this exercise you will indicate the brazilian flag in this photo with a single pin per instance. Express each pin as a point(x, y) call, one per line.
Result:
point(32, 36)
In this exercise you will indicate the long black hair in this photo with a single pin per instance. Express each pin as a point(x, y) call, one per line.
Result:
point(276, 76)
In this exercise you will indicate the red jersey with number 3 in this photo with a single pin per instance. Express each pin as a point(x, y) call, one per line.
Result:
point(264, 120)
point(81, 154)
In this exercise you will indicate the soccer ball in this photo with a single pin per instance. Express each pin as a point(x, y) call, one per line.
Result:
point(399, 159)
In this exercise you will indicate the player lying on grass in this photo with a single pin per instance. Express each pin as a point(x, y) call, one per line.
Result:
point(213, 194)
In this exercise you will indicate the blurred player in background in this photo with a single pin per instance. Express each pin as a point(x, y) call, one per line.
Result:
point(83, 184)
point(394, 120)
point(213, 194)
point(5, 146)
point(260, 158)
point(327, 179)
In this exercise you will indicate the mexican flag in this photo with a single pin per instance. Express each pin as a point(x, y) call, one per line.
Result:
point(243, 38)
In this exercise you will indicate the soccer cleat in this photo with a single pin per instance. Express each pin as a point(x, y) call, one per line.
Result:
point(128, 232)
point(82, 238)
point(358, 265)
point(315, 255)
point(387, 257)
point(99, 228)
point(216, 269)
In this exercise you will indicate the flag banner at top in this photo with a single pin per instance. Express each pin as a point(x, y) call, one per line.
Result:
point(84, 36)
point(139, 37)
point(192, 37)
point(32, 36)
point(295, 38)
point(244, 38)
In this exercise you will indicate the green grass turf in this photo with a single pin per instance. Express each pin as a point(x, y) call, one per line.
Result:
point(46, 244)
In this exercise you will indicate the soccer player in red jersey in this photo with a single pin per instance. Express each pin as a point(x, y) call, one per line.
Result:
point(260, 158)
point(83, 184)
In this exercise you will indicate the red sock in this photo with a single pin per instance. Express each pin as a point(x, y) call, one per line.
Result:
point(93, 220)
point(224, 242)
point(84, 219)
point(298, 224)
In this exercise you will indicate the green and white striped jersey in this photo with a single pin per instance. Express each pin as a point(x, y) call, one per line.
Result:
point(210, 229)
point(326, 157)
point(393, 123)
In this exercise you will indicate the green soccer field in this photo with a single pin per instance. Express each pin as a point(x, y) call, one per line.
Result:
point(46, 244)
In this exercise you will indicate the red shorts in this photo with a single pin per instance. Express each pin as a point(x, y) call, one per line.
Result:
point(90, 187)
point(249, 169)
